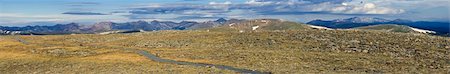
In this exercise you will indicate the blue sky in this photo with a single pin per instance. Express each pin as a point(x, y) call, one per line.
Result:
point(48, 12)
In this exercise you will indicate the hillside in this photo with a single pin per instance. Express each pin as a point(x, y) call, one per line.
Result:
point(395, 28)
point(273, 47)
point(75, 28)
point(441, 28)
point(260, 25)
point(229, 24)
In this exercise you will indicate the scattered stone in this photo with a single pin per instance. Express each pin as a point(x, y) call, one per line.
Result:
point(356, 49)
point(365, 51)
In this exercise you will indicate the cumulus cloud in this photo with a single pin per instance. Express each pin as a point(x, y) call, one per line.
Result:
point(294, 1)
point(271, 6)
point(346, 8)
point(258, 2)
point(252, 8)
point(208, 9)
point(18, 18)
point(167, 8)
point(325, 6)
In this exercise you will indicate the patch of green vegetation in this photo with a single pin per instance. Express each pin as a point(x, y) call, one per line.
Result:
point(389, 28)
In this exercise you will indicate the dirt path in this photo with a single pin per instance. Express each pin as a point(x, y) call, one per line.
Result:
point(158, 59)
point(155, 58)
point(20, 40)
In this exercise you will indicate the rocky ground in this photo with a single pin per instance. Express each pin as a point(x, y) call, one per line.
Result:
point(308, 51)
point(279, 52)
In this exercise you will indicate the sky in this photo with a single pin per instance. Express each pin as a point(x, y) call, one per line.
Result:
point(50, 12)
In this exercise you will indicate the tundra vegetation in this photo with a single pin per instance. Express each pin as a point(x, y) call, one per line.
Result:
point(279, 49)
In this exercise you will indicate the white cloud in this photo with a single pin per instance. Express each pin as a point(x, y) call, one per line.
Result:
point(257, 2)
point(345, 4)
point(17, 18)
point(352, 8)
point(258, 9)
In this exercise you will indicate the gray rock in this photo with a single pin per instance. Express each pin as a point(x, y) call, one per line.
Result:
point(365, 51)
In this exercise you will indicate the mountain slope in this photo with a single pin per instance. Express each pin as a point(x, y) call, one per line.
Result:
point(348, 23)
point(56, 29)
point(111, 26)
point(439, 27)
point(220, 24)
point(395, 28)
point(261, 25)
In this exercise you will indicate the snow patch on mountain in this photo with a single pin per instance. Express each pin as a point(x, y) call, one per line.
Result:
point(5, 32)
point(422, 30)
point(320, 27)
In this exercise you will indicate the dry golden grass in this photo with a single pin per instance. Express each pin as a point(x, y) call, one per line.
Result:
point(132, 57)
point(279, 52)
point(40, 56)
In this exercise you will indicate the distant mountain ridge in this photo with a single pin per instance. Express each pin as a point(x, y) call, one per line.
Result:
point(395, 28)
point(222, 24)
point(439, 27)
point(260, 25)
point(362, 20)
point(238, 25)
point(75, 28)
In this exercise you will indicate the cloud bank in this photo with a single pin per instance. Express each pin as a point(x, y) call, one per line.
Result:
point(194, 10)
point(264, 7)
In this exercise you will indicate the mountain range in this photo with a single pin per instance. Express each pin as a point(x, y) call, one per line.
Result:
point(395, 28)
point(241, 25)
point(439, 27)
point(75, 28)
